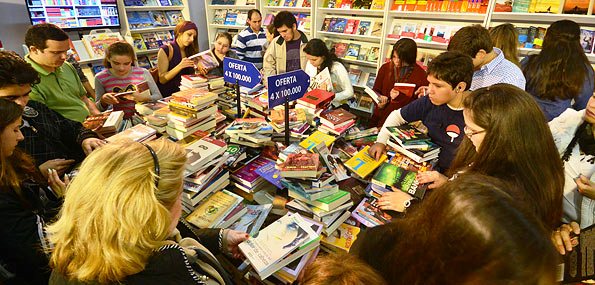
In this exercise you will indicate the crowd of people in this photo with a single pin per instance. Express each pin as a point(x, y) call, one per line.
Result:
point(514, 179)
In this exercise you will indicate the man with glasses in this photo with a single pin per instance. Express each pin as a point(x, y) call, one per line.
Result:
point(54, 142)
point(60, 87)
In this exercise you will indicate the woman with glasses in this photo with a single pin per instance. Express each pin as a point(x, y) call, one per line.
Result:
point(507, 137)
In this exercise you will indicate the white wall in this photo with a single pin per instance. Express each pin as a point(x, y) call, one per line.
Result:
point(14, 22)
point(199, 17)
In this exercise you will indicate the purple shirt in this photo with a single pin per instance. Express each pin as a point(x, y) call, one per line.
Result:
point(293, 55)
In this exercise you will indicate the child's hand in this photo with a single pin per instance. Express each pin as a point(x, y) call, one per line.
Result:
point(435, 178)
point(109, 99)
point(394, 200)
point(377, 150)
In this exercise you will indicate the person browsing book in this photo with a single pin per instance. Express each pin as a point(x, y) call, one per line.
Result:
point(319, 58)
point(441, 111)
point(137, 242)
point(122, 76)
point(172, 58)
point(221, 49)
point(402, 68)
point(25, 203)
point(60, 87)
point(491, 67)
point(573, 135)
point(560, 76)
point(54, 142)
point(502, 127)
point(470, 231)
point(286, 51)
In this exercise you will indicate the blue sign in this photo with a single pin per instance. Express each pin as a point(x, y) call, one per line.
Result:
point(291, 85)
point(245, 73)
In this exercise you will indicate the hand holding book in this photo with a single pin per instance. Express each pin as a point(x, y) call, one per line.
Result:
point(231, 240)
point(396, 200)
point(564, 237)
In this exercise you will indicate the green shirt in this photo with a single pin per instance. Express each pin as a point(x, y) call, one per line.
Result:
point(61, 91)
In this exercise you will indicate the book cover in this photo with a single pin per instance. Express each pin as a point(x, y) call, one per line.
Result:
point(336, 118)
point(205, 60)
point(276, 241)
point(325, 24)
point(363, 54)
point(174, 17)
point(373, 55)
point(301, 162)
point(316, 98)
point(252, 221)
point(587, 40)
point(377, 29)
point(138, 43)
point(547, 6)
point(231, 17)
point(503, 6)
point(351, 26)
point(578, 264)
point(203, 150)
point(270, 174)
point(247, 173)
point(315, 138)
point(340, 49)
point(158, 18)
point(342, 239)
point(369, 213)
point(406, 89)
point(250, 125)
point(408, 135)
point(400, 176)
point(521, 6)
point(354, 75)
point(213, 209)
point(219, 16)
point(97, 44)
point(151, 40)
point(339, 26)
point(322, 80)
point(377, 5)
point(362, 164)
point(352, 51)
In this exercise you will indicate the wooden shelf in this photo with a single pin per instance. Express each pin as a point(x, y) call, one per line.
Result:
point(583, 20)
point(350, 36)
point(443, 16)
point(153, 8)
point(361, 12)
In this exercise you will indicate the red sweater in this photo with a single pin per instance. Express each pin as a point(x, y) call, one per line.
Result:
point(385, 80)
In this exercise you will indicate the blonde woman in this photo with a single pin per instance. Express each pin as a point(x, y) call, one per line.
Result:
point(118, 216)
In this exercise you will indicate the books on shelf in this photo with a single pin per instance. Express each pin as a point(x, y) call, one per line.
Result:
point(97, 44)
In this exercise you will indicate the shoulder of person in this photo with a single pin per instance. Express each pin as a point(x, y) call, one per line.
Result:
point(168, 264)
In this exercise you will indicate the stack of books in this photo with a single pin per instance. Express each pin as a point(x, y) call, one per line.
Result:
point(410, 141)
point(298, 123)
point(213, 211)
point(191, 110)
point(341, 240)
point(315, 101)
point(194, 81)
point(246, 179)
point(138, 133)
point(279, 244)
point(251, 132)
point(336, 121)
point(401, 173)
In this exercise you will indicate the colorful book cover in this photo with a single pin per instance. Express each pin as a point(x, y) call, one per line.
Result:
point(138, 43)
point(174, 17)
point(219, 16)
point(276, 241)
point(315, 138)
point(401, 176)
point(373, 55)
point(352, 51)
point(377, 29)
point(503, 6)
point(587, 40)
point(213, 209)
point(362, 164)
point(363, 28)
point(522, 6)
point(231, 17)
point(252, 221)
point(270, 174)
point(342, 239)
point(247, 173)
point(341, 49)
point(351, 26)
point(325, 24)
point(339, 26)
point(369, 213)
point(158, 18)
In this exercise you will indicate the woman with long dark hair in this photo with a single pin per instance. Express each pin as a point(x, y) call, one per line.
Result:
point(25, 203)
point(319, 58)
point(560, 76)
point(401, 68)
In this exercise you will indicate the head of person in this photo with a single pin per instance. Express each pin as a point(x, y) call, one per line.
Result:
point(126, 200)
point(449, 75)
point(16, 78)
point(319, 55)
point(340, 269)
point(505, 37)
point(254, 20)
point(222, 43)
point(507, 137)
point(286, 25)
point(561, 54)
point(271, 32)
point(186, 34)
point(48, 45)
point(119, 58)
point(404, 52)
point(473, 41)
point(484, 237)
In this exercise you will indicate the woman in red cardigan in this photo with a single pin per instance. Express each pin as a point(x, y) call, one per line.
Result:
point(401, 68)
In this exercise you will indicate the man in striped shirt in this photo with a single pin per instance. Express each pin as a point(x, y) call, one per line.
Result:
point(249, 43)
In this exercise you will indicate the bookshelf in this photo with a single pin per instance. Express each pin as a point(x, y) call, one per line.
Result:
point(301, 9)
point(227, 16)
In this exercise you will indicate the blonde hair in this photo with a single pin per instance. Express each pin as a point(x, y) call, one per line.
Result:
point(505, 37)
point(343, 269)
point(113, 215)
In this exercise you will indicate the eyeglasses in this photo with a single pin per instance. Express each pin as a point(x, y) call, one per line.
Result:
point(470, 133)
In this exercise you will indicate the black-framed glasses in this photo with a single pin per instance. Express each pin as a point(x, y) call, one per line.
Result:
point(470, 132)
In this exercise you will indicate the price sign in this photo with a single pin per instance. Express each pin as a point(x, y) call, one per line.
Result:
point(245, 73)
point(291, 85)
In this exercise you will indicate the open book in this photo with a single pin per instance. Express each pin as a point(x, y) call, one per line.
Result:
point(205, 60)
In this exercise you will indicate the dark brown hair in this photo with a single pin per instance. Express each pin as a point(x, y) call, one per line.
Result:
point(452, 68)
point(118, 48)
point(483, 236)
point(559, 70)
point(470, 39)
point(191, 49)
point(406, 51)
point(284, 18)
point(518, 146)
point(316, 47)
point(19, 166)
point(38, 35)
point(505, 37)
point(251, 12)
point(340, 269)
point(15, 70)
